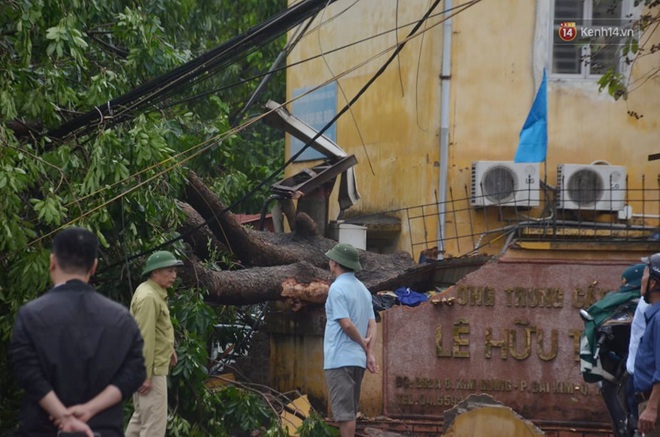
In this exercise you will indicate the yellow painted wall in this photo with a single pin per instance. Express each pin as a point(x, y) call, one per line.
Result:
point(493, 89)
point(394, 128)
point(296, 363)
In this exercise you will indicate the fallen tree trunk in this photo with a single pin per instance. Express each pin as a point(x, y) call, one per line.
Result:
point(261, 284)
point(197, 234)
point(279, 266)
point(250, 249)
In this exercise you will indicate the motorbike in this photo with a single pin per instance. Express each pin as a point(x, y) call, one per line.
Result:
point(604, 351)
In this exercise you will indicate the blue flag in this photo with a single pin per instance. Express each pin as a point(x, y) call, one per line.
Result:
point(533, 143)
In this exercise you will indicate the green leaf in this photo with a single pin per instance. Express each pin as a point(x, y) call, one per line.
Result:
point(121, 181)
point(54, 33)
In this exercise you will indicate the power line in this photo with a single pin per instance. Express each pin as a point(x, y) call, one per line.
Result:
point(211, 142)
point(105, 114)
point(347, 107)
point(303, 61)
point(116, 110)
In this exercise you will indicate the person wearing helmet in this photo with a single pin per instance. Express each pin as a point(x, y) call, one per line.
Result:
point(149, 307)
point(647, 364)
point(631, 281)
point(350, 334)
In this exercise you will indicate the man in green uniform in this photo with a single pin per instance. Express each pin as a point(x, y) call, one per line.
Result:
point(149, 307)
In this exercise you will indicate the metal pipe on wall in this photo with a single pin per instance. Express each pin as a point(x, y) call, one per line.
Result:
point(444, 125)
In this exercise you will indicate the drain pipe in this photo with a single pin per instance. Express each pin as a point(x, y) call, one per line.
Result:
point(444, 125)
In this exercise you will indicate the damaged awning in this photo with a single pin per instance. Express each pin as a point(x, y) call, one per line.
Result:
point(310, 179)
point(339, 162)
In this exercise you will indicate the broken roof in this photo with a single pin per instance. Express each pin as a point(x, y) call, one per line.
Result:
point(278, 117)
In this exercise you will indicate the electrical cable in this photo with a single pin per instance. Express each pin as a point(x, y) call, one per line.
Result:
point(343, 93)
point(419, 60)
point(396, 36)
point(297, 36)
point(242, 127)
point(309, 143)
point(309, 59)
point(123, 114)
point(248, 123)
point(148, 92)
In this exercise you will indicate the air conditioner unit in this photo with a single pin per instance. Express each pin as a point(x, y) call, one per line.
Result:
point(591, 187)
point(505, 183)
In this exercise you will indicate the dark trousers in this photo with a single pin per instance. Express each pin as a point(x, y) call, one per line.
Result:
point(632, 402)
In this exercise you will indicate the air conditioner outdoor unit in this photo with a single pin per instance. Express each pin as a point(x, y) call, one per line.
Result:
point(505, 183)
point(591, 187)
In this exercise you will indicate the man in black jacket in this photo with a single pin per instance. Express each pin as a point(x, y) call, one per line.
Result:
point(76, 353)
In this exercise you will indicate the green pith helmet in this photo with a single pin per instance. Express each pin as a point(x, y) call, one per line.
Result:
point(631, 278)
point(345, 255)
point(161, 260)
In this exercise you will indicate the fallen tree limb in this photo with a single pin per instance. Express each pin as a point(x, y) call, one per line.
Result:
point(259, 284)
point(279, 266)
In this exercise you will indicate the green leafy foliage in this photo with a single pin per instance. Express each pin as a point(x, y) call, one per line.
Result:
point(244, 411)
point(315, 426)
point(613, 81)
point(198, 410)
point(61, 59)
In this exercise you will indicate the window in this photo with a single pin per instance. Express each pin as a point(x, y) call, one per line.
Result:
point(588, 35)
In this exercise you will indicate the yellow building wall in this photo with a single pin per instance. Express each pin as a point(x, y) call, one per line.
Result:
point(493, 88)
point(394, 128)
point(394, 131)
point(296, 362)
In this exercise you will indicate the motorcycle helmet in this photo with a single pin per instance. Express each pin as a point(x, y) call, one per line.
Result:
point(653, 263)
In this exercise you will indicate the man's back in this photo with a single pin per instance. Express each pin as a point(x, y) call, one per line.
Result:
point(347, 298)
point(75, 342)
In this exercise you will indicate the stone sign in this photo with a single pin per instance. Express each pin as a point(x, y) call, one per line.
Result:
point(512, 331)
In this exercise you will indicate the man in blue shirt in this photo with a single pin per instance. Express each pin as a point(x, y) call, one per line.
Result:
point(631, 280)
point(350, 335)
point(647, 362)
